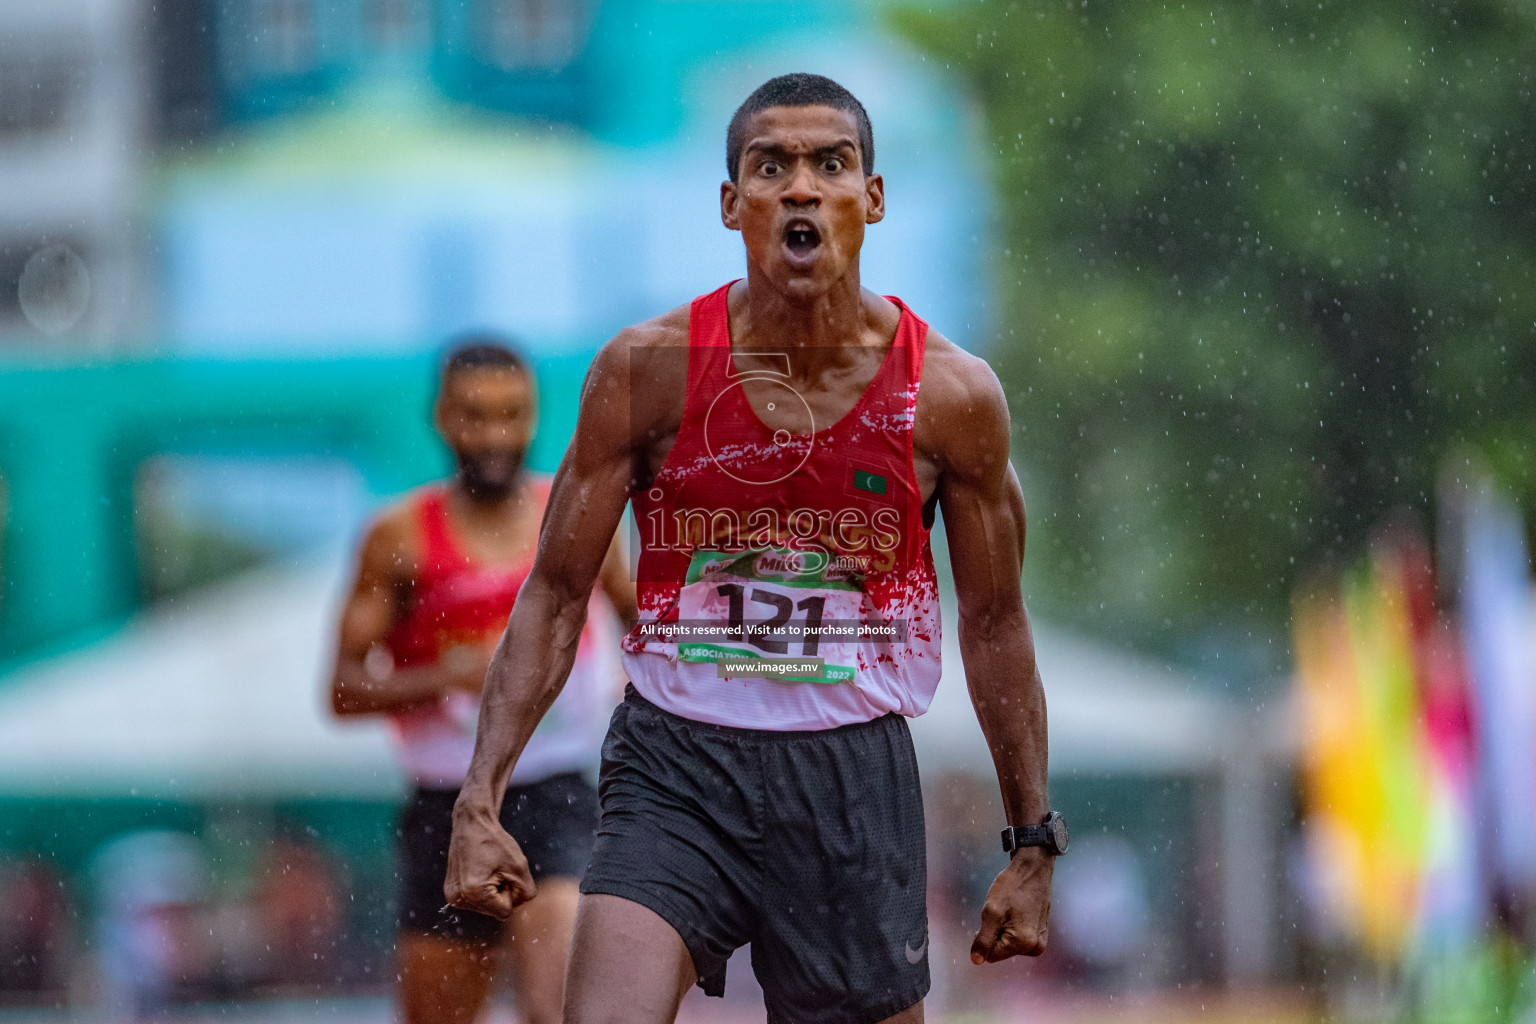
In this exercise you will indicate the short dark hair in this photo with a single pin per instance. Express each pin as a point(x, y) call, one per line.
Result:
point(482, 351)
point(798, 90)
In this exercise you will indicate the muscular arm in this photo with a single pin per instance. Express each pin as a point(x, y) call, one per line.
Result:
point(486, 870)
point(370, 614)
point(984, 522)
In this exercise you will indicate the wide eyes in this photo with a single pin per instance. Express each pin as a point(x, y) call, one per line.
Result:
point(830, 165)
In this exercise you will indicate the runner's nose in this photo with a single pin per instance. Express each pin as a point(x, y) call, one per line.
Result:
point(802, 189)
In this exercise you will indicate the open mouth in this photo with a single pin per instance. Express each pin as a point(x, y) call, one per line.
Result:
point(801, 238)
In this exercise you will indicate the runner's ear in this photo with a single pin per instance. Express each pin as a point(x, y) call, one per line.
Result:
point(874, 192)
point(729, 194)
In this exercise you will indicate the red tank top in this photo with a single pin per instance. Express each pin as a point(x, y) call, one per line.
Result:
point(459, 600)
point(763, 544)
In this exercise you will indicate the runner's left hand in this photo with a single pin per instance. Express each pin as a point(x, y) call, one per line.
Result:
point(1015, 920)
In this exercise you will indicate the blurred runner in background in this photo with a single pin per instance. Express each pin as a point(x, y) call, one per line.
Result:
point(436, 581)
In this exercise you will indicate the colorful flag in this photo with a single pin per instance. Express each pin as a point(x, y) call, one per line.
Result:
point(1419, 743)
point(1374, 788)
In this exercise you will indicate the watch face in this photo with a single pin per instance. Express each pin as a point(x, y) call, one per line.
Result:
point(1059, 835)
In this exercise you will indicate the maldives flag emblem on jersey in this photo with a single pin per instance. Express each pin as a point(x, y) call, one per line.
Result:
point(863, 480)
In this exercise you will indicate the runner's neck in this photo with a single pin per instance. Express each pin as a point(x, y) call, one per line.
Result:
point(843, 318)
point(486, 525)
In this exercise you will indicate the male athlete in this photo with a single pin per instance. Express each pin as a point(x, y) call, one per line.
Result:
point(437, 579)
point(785, 441)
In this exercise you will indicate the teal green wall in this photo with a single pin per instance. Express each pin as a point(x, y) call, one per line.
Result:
point(72, 438)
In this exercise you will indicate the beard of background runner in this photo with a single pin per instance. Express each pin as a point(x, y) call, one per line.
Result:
point(491, 476)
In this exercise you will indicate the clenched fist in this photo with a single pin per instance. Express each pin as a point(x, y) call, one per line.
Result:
point(487, 871)
point(1016, 919)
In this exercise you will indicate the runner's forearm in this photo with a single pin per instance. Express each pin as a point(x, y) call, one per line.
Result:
point(357, 691)
point(527, 673)
point(1006, 690)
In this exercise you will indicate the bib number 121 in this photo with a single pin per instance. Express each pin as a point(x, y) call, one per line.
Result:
point(761, 634)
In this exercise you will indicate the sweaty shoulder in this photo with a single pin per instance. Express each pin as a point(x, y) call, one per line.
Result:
point(393, 545)
point(641, 374)
point(668, 329)
point(962, 414)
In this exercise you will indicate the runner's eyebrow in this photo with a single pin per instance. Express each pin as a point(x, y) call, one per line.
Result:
point(836, 149)
point(778, 151)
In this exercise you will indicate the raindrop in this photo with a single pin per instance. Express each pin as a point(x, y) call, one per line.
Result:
point(54, 289)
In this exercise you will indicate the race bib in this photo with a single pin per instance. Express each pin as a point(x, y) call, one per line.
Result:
point(775, 613)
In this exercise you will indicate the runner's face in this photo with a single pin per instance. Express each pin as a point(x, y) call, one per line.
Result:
point(801, 198)
point(486, 416)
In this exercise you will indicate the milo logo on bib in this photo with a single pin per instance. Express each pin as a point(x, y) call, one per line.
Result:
point(775, 613)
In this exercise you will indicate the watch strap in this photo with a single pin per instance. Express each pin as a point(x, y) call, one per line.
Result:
point(1017, 837)
point(1051, 834)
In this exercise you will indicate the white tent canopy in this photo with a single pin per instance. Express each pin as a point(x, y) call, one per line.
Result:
point(222, 696)
point(218, 696)
point(1109, 712)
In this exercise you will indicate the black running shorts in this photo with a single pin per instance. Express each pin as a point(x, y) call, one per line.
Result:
point(552, 820)
point(808, 845)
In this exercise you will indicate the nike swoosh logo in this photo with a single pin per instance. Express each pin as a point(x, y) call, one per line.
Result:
point(916, 955)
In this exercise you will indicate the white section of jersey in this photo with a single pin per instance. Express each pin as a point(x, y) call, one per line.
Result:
point(693, 689)
point(435, 744)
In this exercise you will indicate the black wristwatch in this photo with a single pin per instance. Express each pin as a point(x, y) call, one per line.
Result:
point(1050, 833)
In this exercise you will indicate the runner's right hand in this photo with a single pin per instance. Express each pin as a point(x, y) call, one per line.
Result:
point(487, 871)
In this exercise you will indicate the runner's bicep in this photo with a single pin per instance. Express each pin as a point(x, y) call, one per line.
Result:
point(371, 608)
point(985, 529)
point(366, 620)
point(590, 489)
point(982, 503)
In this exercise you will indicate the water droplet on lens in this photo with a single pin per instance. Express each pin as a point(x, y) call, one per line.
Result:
point(54, 289)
